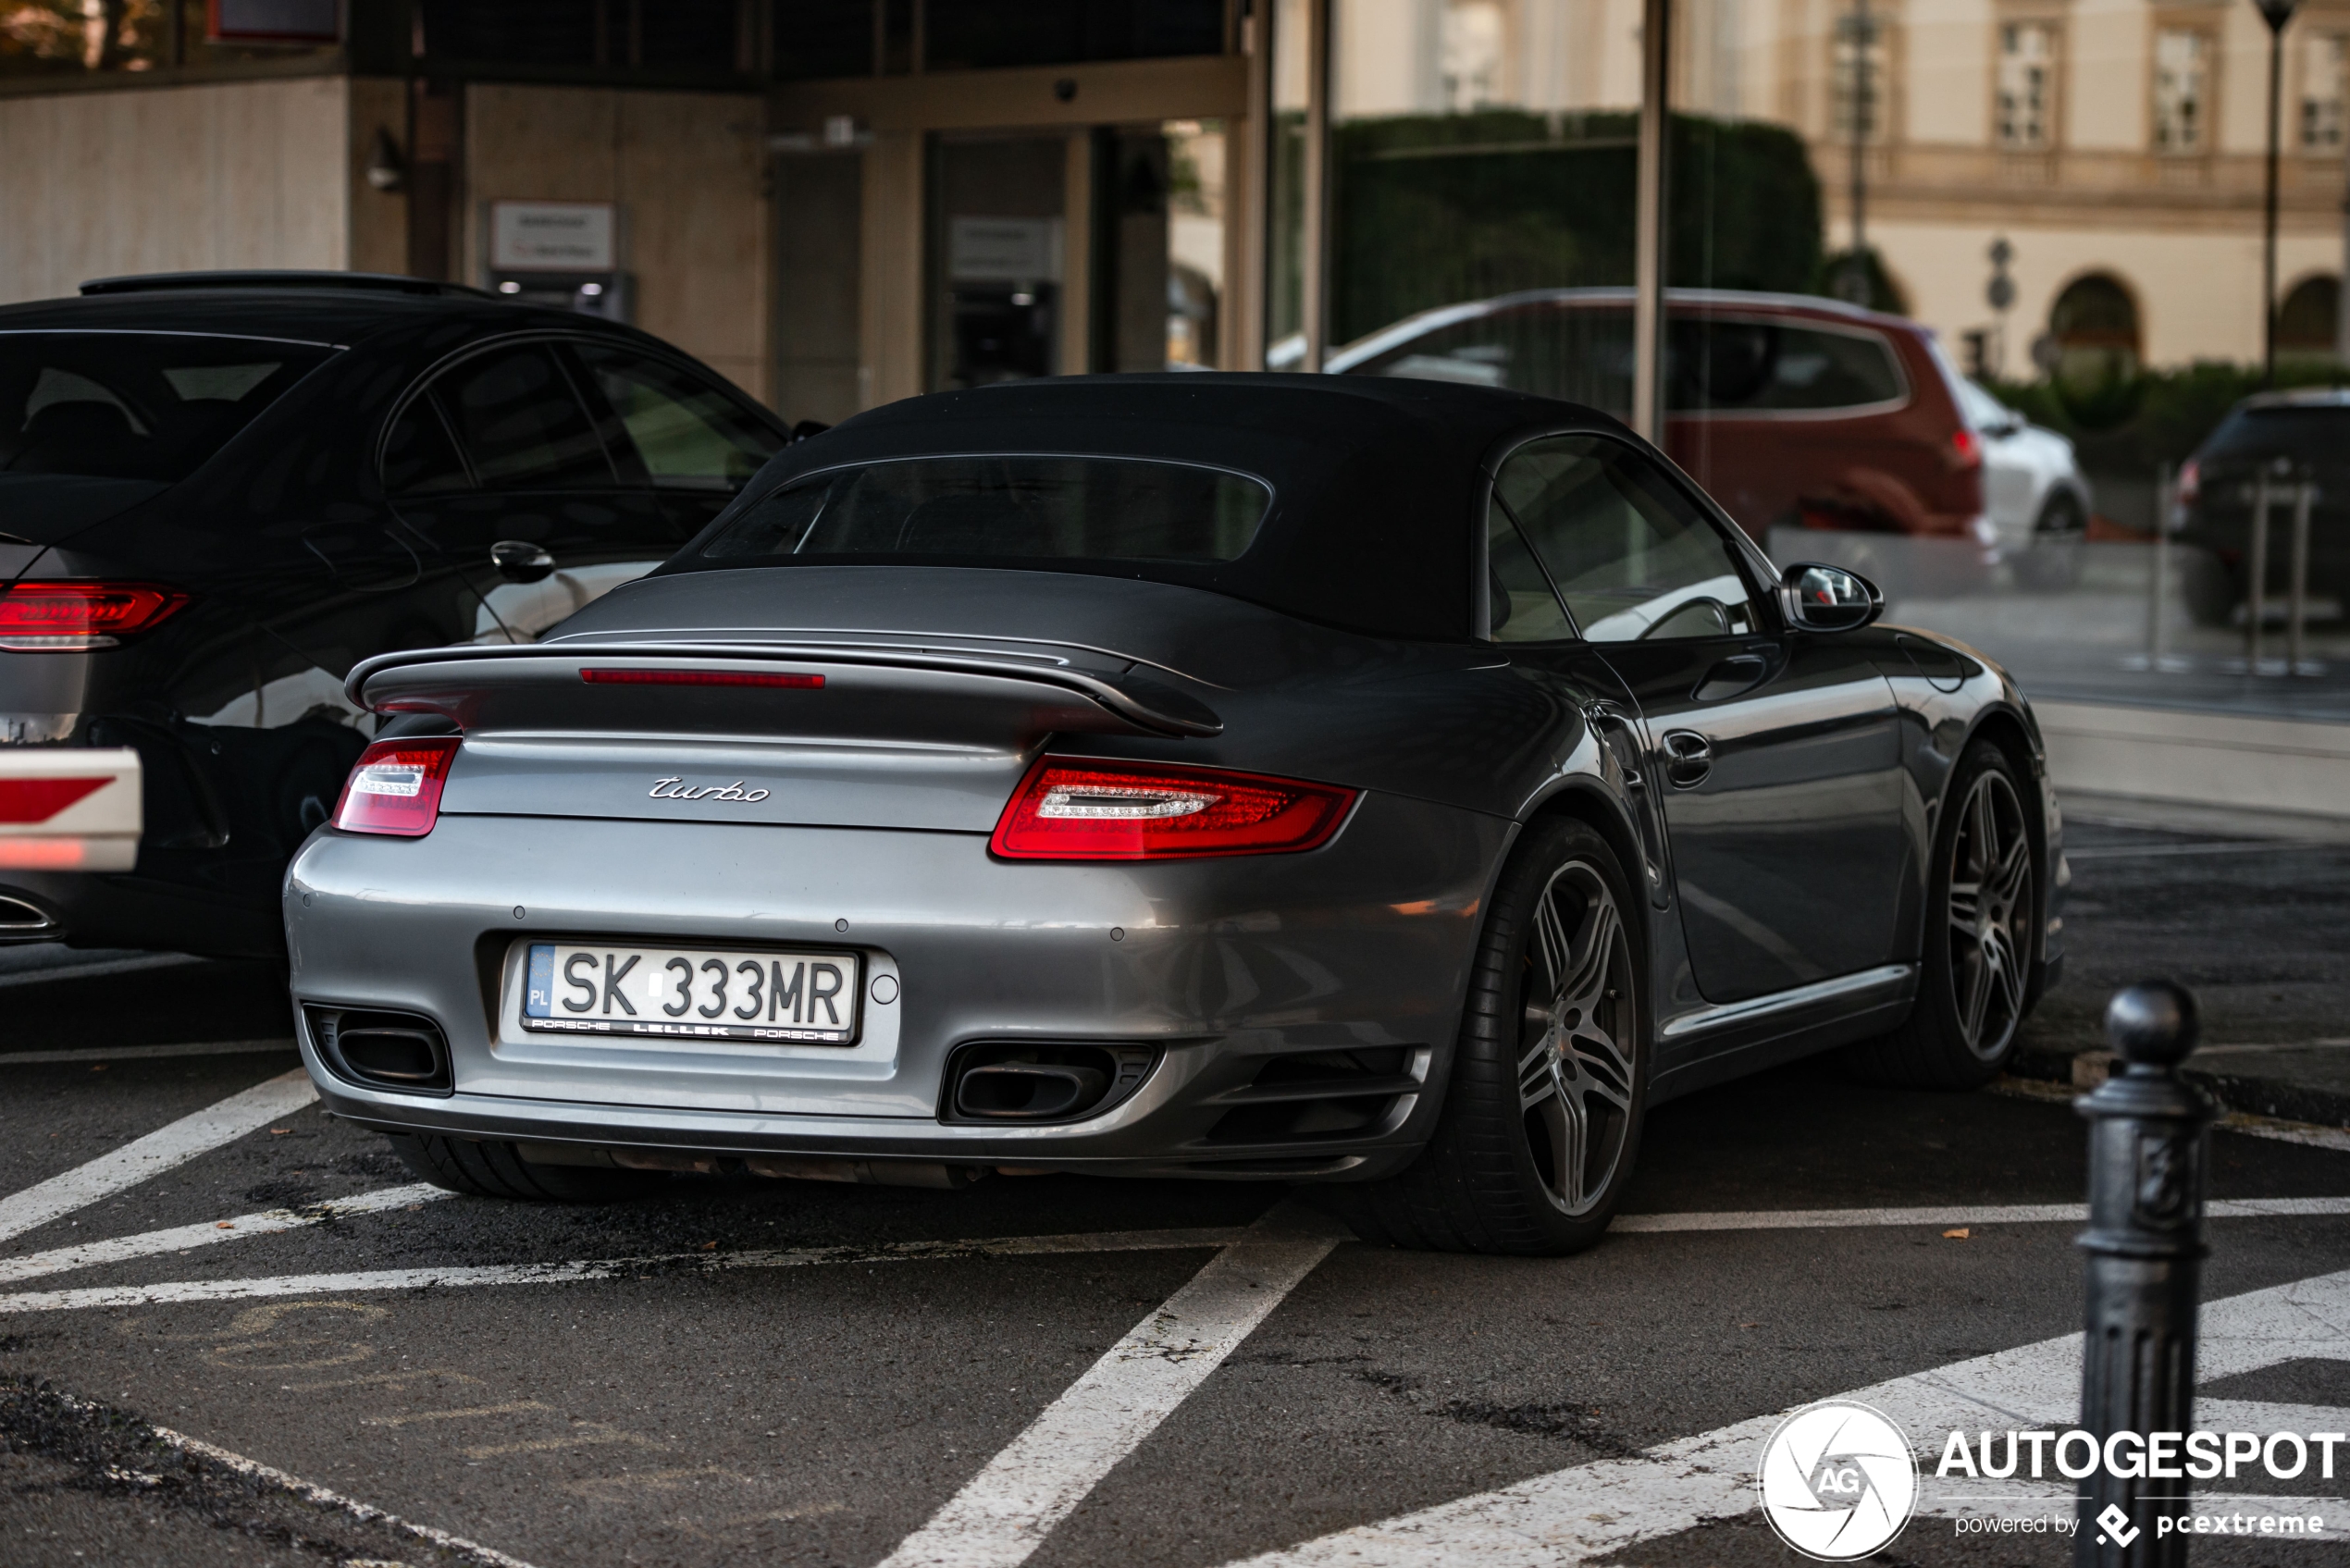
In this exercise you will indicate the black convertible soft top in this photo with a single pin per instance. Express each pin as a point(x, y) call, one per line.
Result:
point(1374, 479)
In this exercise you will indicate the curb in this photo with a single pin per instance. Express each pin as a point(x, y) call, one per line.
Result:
point(2277, 1098)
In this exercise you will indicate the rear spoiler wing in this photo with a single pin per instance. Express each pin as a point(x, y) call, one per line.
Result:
point(1132, 701)
point(70, 809)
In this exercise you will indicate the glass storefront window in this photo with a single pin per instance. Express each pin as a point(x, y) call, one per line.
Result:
point(2055, 215)
point(68, 37)
point(2048, 220)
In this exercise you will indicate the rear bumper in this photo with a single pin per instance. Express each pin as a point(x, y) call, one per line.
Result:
point(1220, 966)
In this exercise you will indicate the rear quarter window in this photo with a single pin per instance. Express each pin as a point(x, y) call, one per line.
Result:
point(135, 405)
point(1762, 366)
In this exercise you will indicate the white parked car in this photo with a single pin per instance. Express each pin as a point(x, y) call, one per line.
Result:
point(2034, 491)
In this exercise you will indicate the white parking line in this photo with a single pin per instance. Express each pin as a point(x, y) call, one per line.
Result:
point(1967, 1214)
point(185, 1238)
point(1007, 1510)
point(575, 1271)
point(143, 1053)
point(159, 1150)
point(1598, 1510)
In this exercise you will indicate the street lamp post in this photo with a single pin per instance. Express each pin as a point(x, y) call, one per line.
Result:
point(2276, 13)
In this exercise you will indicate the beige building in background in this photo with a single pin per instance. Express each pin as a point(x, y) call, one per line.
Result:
point(2116, 139)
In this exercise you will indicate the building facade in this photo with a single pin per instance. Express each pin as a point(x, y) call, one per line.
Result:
point(842, 202)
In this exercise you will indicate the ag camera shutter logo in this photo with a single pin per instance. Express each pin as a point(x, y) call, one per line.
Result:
point(1837, 1481)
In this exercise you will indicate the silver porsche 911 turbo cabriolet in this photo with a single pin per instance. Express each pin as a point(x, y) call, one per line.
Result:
point(1389, 785)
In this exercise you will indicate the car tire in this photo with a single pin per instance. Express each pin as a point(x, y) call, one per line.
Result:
point(1530, 1079)
point(496, 1170)
point(2212, 589)
point(1975, 982)
point(2052, 563)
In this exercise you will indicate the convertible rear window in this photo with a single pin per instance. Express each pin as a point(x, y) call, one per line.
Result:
point(134, 405)
point(1011, 508)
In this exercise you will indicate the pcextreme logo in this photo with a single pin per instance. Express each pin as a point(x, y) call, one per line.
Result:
point(1838, 1480)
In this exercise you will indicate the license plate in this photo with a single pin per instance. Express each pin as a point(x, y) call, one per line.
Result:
point(691, 993)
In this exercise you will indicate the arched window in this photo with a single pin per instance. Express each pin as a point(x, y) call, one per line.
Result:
point(2095, 323)
point(2307, 321)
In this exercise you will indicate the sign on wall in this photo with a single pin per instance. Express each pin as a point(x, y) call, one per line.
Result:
point(1006, 250)
point(551, 237)
point(273, 21)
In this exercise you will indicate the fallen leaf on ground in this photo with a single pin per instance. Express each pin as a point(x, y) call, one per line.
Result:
point(1961, 1234)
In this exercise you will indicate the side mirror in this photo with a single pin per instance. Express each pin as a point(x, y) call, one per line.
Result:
point(1827, 598)
point(519, 561)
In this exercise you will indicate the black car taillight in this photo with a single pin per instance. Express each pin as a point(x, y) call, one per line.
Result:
point(64, 617)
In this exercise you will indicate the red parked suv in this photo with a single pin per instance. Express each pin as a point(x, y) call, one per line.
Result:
point(1790, 411)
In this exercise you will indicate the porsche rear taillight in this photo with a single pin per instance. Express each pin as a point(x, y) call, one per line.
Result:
point(1068, 808)
point(63, 617)
point(396, 787)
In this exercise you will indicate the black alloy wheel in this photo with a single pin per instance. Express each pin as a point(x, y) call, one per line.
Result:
point(1575, 1073)
point(1975, 983)
point(1541, 1120)
point(1990, 913)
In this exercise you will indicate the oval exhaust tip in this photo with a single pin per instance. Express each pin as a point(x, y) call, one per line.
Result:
point(1027, 1091)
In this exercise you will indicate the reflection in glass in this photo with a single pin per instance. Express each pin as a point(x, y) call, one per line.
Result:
point(1632, 558)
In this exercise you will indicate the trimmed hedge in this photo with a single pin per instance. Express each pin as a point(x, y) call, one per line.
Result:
point(1436, 209)
point(2136, 423)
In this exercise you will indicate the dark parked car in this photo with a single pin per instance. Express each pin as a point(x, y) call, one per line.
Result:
point(2292, 437)
point(1377, 781)
point(218, 492)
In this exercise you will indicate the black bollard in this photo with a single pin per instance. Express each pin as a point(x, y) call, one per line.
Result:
point(2144, 1241)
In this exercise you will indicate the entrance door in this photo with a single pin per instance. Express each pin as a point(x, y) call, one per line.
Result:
point(1035, 206)
point(1073, 251)
point(999, 232)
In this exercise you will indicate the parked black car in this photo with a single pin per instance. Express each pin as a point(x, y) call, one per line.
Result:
point(219, 491)
point(2293, 436)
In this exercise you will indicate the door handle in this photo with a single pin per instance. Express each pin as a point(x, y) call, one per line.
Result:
point(1734, 676)
point(1688, 757)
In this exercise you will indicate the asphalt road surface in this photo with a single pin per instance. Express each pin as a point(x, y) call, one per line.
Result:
point(235, 1332)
